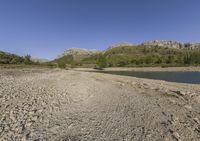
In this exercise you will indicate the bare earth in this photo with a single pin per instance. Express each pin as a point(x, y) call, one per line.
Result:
point(72, 105)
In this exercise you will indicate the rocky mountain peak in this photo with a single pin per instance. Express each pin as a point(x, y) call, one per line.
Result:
point(171, 44)
point(77, 51)
point(121, 44)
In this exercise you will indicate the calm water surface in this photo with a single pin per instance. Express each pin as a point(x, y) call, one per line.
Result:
point(182, 77)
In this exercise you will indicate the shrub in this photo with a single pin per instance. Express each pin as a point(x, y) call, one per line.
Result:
point(101, 61)
point(61, 65)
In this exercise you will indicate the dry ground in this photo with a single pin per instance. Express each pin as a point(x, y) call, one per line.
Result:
point(67, 105)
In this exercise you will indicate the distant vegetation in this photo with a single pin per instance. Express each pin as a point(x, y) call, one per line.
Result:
point(129, 56)
point(8, 60)
point(151, 56)
point(122, 56)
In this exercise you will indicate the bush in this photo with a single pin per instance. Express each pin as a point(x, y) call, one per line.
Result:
point(27, 60)
point(73, 64)
point(61, 65)
point(102, 62)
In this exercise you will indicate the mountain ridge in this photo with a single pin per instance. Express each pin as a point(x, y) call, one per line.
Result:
point(150, 43)
point(147, 53)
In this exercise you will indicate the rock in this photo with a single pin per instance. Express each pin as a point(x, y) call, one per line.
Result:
point(34, 118)
point(40, 111)
point(31, 113)
point(176, 136)
point(175, 120)
point(171, 44)
point(188, 107)
point(28, 124)
point(7, 128)
point(181, 93)
point(198, 130)
point(133, 83)
point(197, 99)
point(122, 44)
point(82, 53)
point(172, 101)
point(1, 129)
point(196, 120)
point(121, 84)
point(24, 138)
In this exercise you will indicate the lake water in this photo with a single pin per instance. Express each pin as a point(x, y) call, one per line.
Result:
point(182, 77)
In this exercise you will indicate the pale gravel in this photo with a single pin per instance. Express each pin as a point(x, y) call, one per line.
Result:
point(71, 105)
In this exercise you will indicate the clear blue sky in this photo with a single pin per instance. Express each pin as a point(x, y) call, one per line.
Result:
point(45, 28)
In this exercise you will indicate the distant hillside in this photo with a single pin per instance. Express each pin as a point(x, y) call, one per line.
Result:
point(39, 60)
point(149, 53)
point(78, 53)
point(171, 44)
point(74, 55)
point(8, 58)
point(154, 55)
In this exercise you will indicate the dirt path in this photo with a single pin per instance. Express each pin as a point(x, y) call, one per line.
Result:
point(71, 105)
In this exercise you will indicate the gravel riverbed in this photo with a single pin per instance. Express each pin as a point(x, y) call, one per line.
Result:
point(74, 105)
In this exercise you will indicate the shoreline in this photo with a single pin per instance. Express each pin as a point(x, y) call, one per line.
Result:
point(156, 69)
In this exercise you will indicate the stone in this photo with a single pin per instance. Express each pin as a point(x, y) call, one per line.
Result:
point(171, 44)
point(197, 99)
point(28, 124)
point(34, 118)
point(196, 120)
point(198, 130)
point(188, 107)
point(176, 136)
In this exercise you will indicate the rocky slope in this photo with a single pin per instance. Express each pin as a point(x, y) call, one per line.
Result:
point(159, 43)
point(172, 44)
point(78, 52)
point(119, 45)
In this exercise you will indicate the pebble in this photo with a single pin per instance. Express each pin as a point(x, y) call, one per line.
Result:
point(176, 136)
point(196, 120)
point(188, 107)
point(197, 99)
point(20, 115)
point(182, 93)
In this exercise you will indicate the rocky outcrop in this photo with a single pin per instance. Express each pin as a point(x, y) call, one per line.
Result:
point(153, 43)
point(161, 43)
point(171, 44)
point(77, 52)
point(122, 44)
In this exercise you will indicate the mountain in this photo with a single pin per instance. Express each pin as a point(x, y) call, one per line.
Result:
point(40, 60)
point(148, 53)
point(171, 44)
point(75, 55)
point(120, 45)
point(145, 54)
point(78, 53)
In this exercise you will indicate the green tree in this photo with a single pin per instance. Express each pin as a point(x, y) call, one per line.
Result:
point(27, 59)
point(170, 59)
point(102, 61)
